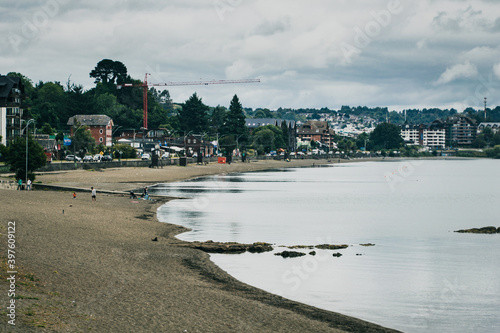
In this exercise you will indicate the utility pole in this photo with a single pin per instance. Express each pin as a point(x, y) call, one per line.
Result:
point(26, 128)
point(485, 99)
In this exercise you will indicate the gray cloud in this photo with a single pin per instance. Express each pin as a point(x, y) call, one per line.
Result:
point(308, 54)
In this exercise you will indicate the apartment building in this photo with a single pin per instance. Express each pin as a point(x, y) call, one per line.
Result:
point(11, 110)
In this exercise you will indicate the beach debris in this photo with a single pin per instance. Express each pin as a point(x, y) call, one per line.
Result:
point(367, 244)
point(484, 230)
point(338, 254)
point(290, 254)
point(154, 239)
point(331, 246)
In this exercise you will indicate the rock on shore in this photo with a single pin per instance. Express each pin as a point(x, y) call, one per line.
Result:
point(290, 254)
point(484, 230)
point(332, 246)
point(231, 247)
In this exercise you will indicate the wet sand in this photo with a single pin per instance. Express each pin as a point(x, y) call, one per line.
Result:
point(85, 266)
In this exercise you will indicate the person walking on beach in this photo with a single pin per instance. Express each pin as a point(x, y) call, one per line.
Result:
point(19, 184)
point(94, 194)
point(28, 185)
point(145, 193)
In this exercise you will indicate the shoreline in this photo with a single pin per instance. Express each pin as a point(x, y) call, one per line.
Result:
point(89, 246)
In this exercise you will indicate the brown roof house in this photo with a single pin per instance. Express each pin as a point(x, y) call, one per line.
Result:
point(101, 127)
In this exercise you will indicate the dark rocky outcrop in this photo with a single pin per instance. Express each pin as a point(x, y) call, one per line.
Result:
point(331, 246)
point(485, 230)
point(290, 254)
point(338, 254)
point(231, 247)
point(367, 244)
point(301, 247)
point(259, 247)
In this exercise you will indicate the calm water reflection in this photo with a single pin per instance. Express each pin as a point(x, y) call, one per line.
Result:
point(420, 276)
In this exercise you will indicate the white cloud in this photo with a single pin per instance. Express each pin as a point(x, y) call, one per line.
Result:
point(482, 54)
point(496, 70)
point(465, 70)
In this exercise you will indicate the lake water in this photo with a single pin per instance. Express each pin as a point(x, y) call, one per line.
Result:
point(419, 277)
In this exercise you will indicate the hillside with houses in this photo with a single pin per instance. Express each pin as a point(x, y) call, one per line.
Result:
point(105, 120)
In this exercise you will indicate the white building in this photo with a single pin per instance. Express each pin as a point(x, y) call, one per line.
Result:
point(433, 136)
point(494, 127)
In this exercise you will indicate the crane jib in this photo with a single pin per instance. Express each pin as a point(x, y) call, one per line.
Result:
point(145, 85)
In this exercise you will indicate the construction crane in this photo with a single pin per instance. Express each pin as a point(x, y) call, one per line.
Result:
point(145, 86)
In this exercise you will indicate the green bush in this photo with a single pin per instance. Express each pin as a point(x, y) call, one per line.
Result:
point(493, 152)
point(127, 151)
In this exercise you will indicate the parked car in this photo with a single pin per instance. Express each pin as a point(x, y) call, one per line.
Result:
point(106, 158)
point(73, 158)
point(88, 158)
point(145, 156)
point(97, 157)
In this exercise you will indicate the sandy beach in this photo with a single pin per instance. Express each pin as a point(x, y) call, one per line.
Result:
point(86, 266)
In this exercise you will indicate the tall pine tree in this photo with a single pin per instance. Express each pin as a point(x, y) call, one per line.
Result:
point(234, 123)
point(194, 116)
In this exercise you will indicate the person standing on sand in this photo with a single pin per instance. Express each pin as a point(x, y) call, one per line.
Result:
point(94, 194)
point(19, 184)
point(28, 185)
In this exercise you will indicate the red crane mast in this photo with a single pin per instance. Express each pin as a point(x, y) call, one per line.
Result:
point(145, 86)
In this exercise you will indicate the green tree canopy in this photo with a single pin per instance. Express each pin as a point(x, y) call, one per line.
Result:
point(109, 71)
point(47, 129)
point(268, 138)
point(82, 140)
point(234, 123)
point(16, 157)
point(386, 136)
point(3, 150)
point(50, 105)
point(217, 119)
point(287, 139)
point(194, 115)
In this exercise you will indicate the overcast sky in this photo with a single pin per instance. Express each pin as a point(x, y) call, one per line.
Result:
point(307, 54)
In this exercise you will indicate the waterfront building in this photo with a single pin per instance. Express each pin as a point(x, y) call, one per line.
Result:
point(431, 136)
point(318, 131)
point(11, 108)
point(461, 131)
point(101, 127)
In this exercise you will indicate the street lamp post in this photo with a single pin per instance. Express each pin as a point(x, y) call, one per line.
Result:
point(26, 128)
point(143, 129)
point(237, 145)
point(185, 145)
point(112, 143)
